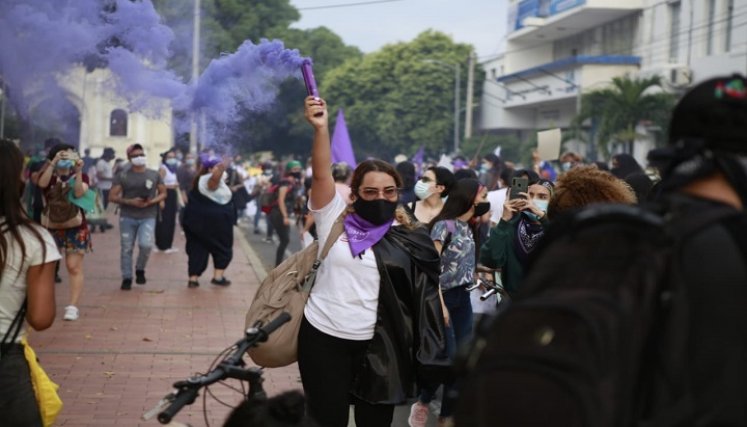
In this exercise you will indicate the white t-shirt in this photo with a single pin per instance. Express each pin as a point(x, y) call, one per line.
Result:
point(105, 174)
point(497, 198)
point(345, 298)
point(13, 280)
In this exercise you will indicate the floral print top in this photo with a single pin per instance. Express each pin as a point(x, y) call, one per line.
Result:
point(458, 257)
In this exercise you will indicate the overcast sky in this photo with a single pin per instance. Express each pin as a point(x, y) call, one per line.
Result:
point(369, 27)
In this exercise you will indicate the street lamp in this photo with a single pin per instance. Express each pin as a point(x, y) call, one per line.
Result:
point(457, 84)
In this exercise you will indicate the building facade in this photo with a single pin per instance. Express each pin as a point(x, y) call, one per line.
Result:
point(106, 120)
point(559, 49)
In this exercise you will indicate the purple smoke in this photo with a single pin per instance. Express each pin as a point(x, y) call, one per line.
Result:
point(41, 40)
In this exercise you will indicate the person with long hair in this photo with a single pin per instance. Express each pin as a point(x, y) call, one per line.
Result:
point(431, 189)
point(373, 325)
point(73, 237)
point(28, 254)
point(166, 223)
point(208, 222)
point(454, 233)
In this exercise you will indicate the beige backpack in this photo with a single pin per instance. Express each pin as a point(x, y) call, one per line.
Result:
point(286, 289)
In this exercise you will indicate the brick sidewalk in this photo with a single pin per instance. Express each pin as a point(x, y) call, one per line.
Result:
point(127, 348)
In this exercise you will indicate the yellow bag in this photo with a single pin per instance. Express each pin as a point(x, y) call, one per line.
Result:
point(45, 390)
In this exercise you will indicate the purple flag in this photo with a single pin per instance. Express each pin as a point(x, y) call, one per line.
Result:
point(342, 148)
point(417, 159)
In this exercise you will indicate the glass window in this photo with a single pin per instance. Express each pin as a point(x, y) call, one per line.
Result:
point(674, 31)
point(118, 123)
point(711, 18)
point(729, 24)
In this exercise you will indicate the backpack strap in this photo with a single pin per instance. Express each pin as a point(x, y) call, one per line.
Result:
point(334, 234)
point(14, 329)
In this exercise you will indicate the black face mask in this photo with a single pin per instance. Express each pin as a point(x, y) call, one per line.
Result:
point(482, 208)
point(376, 212)
point(296, 175)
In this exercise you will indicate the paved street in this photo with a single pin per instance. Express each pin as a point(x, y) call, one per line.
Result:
point(127, 348)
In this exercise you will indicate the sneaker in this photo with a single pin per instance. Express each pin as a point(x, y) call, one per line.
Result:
point(193, 284)
point(418, 415)
point(171, 250)
point(71, 313)
point(140, 277)
point(126, 284)
point(221, 282)
point(268, 240)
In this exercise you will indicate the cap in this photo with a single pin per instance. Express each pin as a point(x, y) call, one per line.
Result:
point(292, 164)
point(713, 113)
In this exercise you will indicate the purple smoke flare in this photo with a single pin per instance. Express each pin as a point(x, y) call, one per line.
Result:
point(44, 40)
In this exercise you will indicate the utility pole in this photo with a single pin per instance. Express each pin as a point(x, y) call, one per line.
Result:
point(470, 95)
point(195, 70)
point(457, 83)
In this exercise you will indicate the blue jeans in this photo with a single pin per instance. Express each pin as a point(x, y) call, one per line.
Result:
point(130, 230)
point(459, 332)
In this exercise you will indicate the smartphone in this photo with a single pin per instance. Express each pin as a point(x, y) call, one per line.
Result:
point(308, 79)
point(519, 185)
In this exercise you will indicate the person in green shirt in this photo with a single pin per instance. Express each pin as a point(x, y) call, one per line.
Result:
point(518, 233)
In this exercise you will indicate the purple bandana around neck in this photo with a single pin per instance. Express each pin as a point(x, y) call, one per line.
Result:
point(362, 234)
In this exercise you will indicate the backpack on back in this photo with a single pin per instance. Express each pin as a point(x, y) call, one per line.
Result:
point(269, 198)
point(599, 323)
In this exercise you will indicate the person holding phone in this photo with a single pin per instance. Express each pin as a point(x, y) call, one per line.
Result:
point(520, 229)
point(138, 191)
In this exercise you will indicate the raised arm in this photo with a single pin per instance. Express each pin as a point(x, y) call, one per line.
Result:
point(322, 183)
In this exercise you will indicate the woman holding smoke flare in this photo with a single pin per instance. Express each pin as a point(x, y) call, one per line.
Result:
point(373, 326)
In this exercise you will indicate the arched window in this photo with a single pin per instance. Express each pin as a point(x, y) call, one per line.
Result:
point(118, 123)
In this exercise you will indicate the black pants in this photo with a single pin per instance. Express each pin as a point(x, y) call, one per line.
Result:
point(199, 250)
point(167, 223)
point(17, 400)
point(328, 366)
point(283, 232)
point(105, 198)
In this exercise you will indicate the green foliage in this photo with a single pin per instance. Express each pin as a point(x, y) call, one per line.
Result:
point(512, 148)
point(395, 100)
point(225, 25)
point(619, 109)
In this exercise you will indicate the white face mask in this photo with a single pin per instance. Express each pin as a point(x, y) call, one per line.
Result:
point(423, 190)
point(224, 176)
point(139, 161)
point(541, 204)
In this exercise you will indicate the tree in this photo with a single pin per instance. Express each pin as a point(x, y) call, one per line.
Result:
point(397, 99)
point(225, 24)
point(619, 109)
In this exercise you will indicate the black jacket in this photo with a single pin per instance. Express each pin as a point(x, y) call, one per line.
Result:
point(409, 342)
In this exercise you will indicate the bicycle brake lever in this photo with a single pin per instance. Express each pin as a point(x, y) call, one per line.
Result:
point(160, 406)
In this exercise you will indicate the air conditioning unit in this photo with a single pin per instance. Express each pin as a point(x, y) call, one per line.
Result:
point(680, 76)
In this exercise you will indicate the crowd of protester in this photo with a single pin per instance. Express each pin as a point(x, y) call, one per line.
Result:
point(419, 241)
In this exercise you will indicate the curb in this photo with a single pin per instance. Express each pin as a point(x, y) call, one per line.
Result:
point(251, 256)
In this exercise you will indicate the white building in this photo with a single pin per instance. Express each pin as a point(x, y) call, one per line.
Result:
point(106, 121)
point(556, 49)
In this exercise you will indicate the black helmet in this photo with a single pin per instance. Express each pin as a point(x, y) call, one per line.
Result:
point(713, 115)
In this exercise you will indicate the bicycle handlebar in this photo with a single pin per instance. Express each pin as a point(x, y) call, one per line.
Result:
point(186, 391)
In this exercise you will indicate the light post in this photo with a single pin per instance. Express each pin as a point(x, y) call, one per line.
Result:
point(457, 84)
